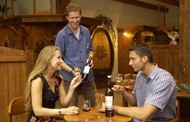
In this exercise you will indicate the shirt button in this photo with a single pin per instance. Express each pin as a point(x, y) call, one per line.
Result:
point(80, 51)
point(82, 61)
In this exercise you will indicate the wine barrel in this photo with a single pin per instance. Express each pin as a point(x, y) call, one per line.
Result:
point(103, 55)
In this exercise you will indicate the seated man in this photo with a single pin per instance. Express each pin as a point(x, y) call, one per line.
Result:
point(154, 95)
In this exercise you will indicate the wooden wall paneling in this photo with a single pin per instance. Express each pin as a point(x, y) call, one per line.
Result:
point(184, 21)
point(124, 43)
point(27, 30)
point(30, 61)
point(61, 5)
point(38, 34)
point(166, 56)
point(14, 66)
point(23, 37)
point(10, 34)
point(184, 27)
point(3, 91)
point(15, 34)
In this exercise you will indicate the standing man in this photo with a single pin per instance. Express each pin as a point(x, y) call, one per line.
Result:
point(153, 98)
point(76, 46)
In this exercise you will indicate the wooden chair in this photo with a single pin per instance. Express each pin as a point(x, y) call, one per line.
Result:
point(15, 107)
point(177, 119)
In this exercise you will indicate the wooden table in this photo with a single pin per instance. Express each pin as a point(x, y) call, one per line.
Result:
point(184, 99)
point(183, 94)
point(92, 116)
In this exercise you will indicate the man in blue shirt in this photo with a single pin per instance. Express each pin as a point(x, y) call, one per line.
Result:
point(153, 98)
point(75, 43)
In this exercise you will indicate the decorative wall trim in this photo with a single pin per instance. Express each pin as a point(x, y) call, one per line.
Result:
point(107, 25)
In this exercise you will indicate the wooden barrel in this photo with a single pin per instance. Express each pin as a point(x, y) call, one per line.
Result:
point(103, 55)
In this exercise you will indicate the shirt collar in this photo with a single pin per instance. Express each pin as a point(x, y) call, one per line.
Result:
point(152, 74)
point(70, 32)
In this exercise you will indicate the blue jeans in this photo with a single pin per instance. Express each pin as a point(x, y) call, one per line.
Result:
point(86, 88)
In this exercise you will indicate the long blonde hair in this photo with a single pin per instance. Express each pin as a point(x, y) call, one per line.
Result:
point(40, 67)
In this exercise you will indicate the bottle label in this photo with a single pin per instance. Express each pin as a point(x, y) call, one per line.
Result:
point(86, 69)
point(109, 102)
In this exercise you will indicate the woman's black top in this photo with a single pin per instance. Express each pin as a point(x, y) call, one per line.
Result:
point(49, 99)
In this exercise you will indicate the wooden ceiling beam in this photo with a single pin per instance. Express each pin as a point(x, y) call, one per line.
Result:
point(144, 5)
point(171, 2)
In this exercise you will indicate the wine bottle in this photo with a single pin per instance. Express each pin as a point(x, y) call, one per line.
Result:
point(86, 69)
point(109, 99)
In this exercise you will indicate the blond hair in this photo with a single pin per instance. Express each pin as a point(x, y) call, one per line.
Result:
point(72, 8)
point(40, 67)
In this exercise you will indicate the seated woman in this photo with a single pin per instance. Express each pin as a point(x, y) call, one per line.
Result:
point(45, 86)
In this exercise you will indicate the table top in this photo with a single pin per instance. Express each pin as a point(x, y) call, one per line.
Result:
point(92, 116)
point(183, 94)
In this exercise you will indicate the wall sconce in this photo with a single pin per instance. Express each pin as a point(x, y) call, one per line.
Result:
point(127, 34)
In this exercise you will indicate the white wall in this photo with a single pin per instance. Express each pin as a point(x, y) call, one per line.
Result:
point(123, 15)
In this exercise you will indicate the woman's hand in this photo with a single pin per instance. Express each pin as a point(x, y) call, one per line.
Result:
point(75, 81)
point(72, 110)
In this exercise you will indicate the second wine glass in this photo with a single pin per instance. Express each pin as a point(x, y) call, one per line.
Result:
point(99, 100)
point(77, 70)
point(86, 106)
point(119, 79)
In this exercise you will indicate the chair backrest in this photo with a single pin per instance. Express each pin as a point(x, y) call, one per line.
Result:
point(177, 119)
point(15, 107)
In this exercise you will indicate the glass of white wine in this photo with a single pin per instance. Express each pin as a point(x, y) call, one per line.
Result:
point(119, 79)
point(99, 100)
point(77, 70)
point(127, 78)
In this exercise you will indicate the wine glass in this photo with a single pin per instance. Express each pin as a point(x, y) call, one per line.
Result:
point(99, 100)
point(77, 70)
point(127, 78)
point(119, 79)
point(86, 106)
